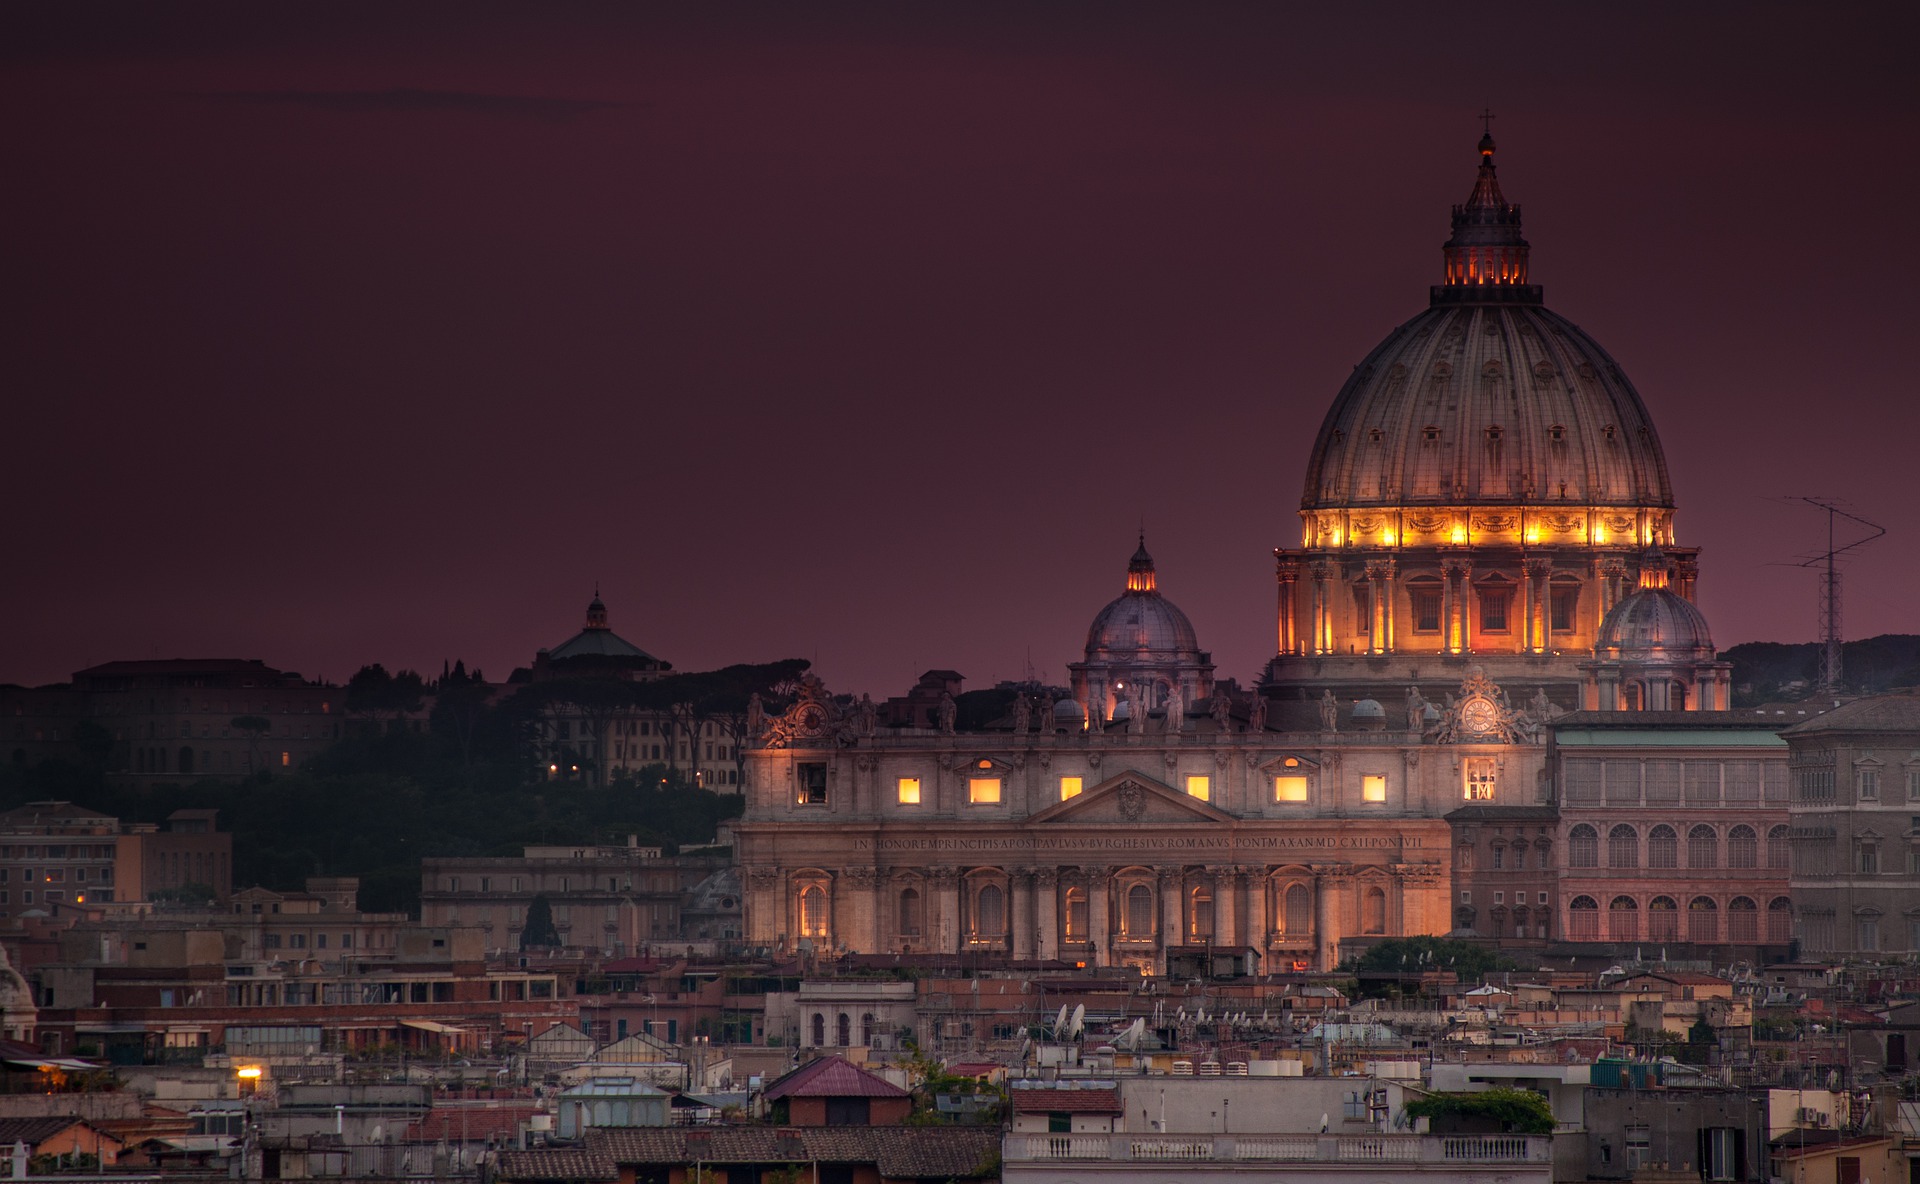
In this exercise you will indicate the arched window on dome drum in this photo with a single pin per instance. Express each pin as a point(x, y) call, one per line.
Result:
point(910, 912)
point(1583, 919)
point(1663, 919)
point(1374, 913)
point(1623, 847)
point(1703, 920)
point(1663, 847)
point(1623, 919)
point(1743, 847)
point(1703, 847)
point(1138, 917)
point(1297, 914)
point(1583, 847)
point(1743, 919)
point(1363, 610)
point(819, 1029)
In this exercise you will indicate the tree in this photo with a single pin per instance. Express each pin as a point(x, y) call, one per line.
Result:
point(380, 696)
point(539, 932)
point(1518, 1111)
point(1414, 955)
point(460, 705)
point(254, 728)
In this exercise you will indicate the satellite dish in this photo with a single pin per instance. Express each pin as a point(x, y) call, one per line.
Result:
point(1060, 1024)
point(1078, 1024)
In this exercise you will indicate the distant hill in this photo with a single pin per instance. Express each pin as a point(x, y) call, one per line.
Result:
point(1764, 671)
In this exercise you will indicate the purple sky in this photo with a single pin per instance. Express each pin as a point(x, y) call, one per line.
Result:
point(341, 334)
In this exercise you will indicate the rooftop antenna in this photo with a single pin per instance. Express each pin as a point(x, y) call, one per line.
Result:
point(1829, 560)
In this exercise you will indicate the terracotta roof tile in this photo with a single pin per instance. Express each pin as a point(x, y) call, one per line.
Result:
point(554, 1164)
point(832, 1077)
point(1067, 1101)
point(897, 1152)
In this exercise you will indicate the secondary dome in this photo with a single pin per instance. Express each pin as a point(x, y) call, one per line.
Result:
point(1141, 624)
point(1487, 398)
point(1653, 620)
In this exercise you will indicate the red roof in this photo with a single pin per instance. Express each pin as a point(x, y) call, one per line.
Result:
point(832, 1077)
point(469, 1123)
point(1067, 1101)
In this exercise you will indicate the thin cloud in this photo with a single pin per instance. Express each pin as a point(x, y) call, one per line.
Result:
point(413, 99)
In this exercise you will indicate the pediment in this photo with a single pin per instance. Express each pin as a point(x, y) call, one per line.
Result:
point(1131, 799)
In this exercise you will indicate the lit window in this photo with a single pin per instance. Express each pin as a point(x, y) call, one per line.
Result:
point(286, 759)
point(1289, 789)
point(1200, 786)
point(1482, 775)
point(983, 791)
point(908, 791)
point(1070, 787)
point(1373, 788)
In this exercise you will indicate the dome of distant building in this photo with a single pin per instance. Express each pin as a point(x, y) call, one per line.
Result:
point(597, 651)
point(1141, 649)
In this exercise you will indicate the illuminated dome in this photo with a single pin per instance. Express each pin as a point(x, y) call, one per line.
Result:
point(1487, 398)
point(1482, 489)
point(1141, 624)
point(1140, 648)
point(1654, 620)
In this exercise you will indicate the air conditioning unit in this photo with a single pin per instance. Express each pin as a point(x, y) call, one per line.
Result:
point(1822, 1119)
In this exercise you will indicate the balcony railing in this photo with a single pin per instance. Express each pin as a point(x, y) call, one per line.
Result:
point(1356, 1149)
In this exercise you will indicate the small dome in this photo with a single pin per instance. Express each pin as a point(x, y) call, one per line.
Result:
point(1066, 710)
point(1141, 623)
point(1653, 619)
point(1369, 709)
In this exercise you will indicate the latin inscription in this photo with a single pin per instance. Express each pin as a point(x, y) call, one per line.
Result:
point(1142, 843)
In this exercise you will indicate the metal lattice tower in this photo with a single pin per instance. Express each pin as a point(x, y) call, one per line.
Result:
point(1828, 562)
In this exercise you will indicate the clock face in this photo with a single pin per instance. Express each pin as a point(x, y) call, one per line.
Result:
point(811, 718)
point(1480, 715)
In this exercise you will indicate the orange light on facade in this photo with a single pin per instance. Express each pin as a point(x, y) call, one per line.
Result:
point(1457, 535)
point(1532, 534)
point(1386, 536)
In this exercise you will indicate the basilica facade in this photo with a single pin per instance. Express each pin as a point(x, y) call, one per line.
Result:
point(1487, 545)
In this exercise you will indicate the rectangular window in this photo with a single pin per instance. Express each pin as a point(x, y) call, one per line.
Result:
point(1373, 788)
point(1363, 610)
point(983, 791)
point(1543, 898)
point(1563, 603)
point(1869, 861)
point(1070, 787)
point(810, 779)
point(907, 791)
point(1289, 789)
point(1493, 609)
point(1482, 775)
point(1847, 1169)
point(1426, 609)
point(1867, 933)
point(1499, 898)
point(1868, 782)
point(1499, 858)
point(1466, 896)
point(1200, 786)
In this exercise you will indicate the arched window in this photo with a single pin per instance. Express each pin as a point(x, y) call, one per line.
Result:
point(1743, 847)
point(1623, 919)
point(813, 911)
point(910, 912)
point(1779, 854)
point(1663, 919)
point(1703, 847)
point(844, 1030)
point(990, 912)
point(866, 1029)
point(1583, 918)
point(1623, 847)
point(1076, 914)
point(1780, 919)
point(1374, 915)
point(1139, 914)
point(1703, 920)
point(1743, 919)
point(1663, 847)
point(1299, 913)
point(1200, 914)
point(819, 1029)
point(1583, 847)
